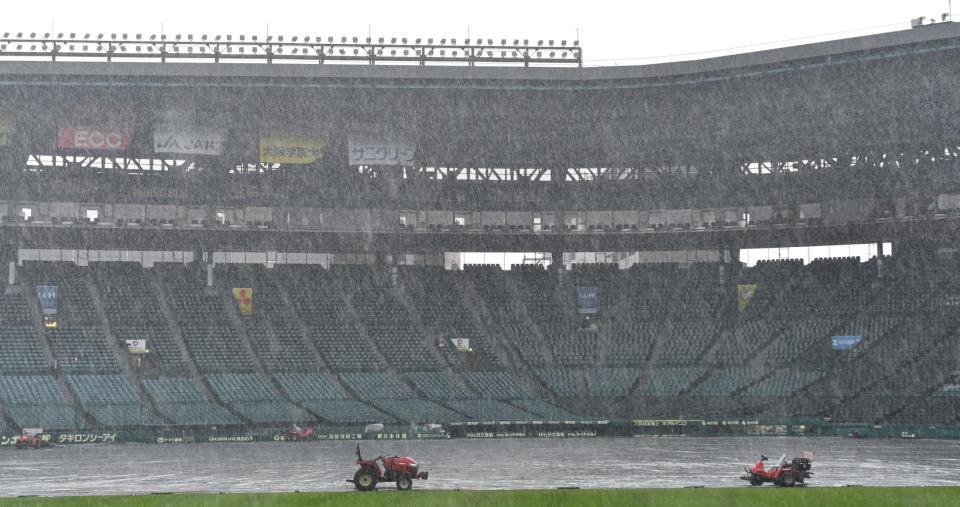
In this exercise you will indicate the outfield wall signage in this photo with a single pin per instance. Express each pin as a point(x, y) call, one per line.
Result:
point(94, 138)
point(845, 342)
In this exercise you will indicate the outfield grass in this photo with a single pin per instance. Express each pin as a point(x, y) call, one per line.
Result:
point(761, 497)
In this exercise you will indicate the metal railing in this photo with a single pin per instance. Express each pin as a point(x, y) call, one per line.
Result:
point(271, 49)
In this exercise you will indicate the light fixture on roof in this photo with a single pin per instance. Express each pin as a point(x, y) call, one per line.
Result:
point(393, 40)
point(576, 43)
point(279, 38)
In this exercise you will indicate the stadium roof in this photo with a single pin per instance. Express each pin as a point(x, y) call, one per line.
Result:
point(921, 39)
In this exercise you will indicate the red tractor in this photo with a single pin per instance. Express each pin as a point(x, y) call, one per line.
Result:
point(33, 438)
point(786, 473)
point(295, 434)
point(399, 469)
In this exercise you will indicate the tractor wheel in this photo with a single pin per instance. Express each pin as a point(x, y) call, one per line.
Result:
point(788, 480)
point(364, 479)
point(756, 481)
point(404, 483)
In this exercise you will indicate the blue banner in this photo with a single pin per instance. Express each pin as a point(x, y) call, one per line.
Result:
point(845, 342)
point(47, 294)
point(587, 300)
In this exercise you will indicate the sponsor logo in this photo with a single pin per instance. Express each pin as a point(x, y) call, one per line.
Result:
point(86, 438)
point(169, 440)
point(238, 438)
point(92, 138)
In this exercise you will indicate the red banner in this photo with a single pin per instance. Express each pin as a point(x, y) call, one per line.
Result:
point(94, 138)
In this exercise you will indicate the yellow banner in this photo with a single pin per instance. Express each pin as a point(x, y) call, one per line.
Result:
point(276, 148)
point(244, 298)
point(6, 131)
point(745, 293)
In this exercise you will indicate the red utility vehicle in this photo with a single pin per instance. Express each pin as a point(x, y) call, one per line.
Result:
point(792, 473)
point(295, 434)
point(399, 469)
point(33, 438)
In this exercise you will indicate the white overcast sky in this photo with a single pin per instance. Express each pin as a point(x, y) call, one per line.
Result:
point(611, 32)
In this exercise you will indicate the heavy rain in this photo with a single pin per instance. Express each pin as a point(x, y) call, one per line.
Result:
point(341, 258)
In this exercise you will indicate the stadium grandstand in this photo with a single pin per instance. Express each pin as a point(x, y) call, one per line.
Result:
point(193, 241)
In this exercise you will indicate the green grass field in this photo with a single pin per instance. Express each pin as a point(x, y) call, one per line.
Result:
point(761, 497)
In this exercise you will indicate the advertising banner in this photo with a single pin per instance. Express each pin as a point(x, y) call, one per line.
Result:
point(244, 298)
point(6, 131)
point(94, 138)
point(845, 342)
point(587, 300)
point(47, 294)
point(280, 148)
point(188, 140)
point(745, 293)
point(137, 346)
point(461, 344)
point(379, 151)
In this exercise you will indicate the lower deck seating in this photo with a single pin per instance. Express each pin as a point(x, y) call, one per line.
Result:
point(311, 386)
point(546, 411)
point(490, 410)
point(438, 385)
point(671, 381)
point(21, 350)
point(417, 410)
point(610, 382)
point(560, 381)
point(49, 416)
point(377, 385)
point(494, 384)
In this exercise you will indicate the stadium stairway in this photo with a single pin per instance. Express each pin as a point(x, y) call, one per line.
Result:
point(311, 345)
point(236, 322)
point(166, 309)
point(428, 341)
point(33, 308)
point(473, 302)
point(353, 317)
point(37, 317)
point(124, 359)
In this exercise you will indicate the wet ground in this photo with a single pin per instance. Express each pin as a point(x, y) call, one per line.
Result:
point(468, 464)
